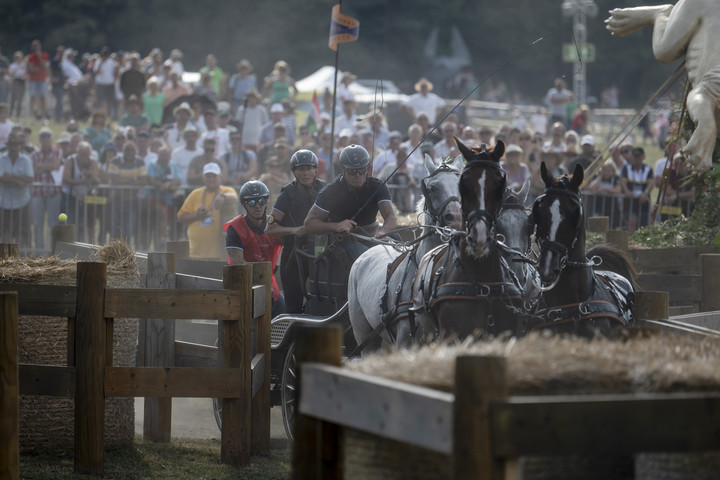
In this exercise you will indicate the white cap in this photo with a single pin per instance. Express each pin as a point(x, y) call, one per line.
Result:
point(277, 108)
point(587, 140)
point(212, 167)
point(512, 148)
point(346, 132)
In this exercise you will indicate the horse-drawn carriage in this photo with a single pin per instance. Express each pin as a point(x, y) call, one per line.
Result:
point(470, 269)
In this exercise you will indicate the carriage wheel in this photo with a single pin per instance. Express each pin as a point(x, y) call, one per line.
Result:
point(217, 410)
point(288, 394)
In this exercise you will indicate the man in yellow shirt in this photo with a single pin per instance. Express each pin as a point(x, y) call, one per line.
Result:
point(205, 211)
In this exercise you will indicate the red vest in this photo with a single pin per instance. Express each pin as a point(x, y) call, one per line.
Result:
point(257, 247)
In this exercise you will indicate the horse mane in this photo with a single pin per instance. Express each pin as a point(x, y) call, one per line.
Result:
point(617, 261)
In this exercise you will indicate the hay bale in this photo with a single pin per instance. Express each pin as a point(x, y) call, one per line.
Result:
point(543, 365)
point(48, 422)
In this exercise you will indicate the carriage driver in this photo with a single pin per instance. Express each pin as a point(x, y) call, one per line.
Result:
point(247, 240)
point(350, 203)
point(286, 220)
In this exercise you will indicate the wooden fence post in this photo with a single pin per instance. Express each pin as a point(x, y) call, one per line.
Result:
point(598, 224)
point(9, 387)
point(618, 238)
point(157, 342)
point(479, 381)
point(62, 233)
point(316, 451)
point(236, 353)
point(652, 305)
point(90, 352)
point(710, 269)
point(260, 431)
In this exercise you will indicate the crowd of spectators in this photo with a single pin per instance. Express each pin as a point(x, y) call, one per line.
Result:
point(150, 137)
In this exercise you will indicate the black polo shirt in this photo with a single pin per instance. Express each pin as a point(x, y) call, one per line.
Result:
point(295, 203)
point(342, 203)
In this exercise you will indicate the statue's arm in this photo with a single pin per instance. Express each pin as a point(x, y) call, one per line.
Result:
point(623, 21)
point(674, 30)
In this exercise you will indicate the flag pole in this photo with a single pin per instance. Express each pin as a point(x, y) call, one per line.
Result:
point(331, 166)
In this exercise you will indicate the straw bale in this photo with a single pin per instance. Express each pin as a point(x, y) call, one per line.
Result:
point(543, 365)
point(47, 422)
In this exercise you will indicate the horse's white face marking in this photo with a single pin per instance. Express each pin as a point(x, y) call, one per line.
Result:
point(481, 182)
point(555, 219)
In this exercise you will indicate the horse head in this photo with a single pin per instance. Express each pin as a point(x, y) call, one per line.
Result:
point(440, 192)
point(558, 218)
point(482, 186)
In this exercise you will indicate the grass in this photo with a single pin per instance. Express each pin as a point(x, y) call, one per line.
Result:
point(183, 459)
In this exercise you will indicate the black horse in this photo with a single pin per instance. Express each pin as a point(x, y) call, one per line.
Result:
point(575, 298)
point(463, 286)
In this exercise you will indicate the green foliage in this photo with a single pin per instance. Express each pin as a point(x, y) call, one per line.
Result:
point(702, 228)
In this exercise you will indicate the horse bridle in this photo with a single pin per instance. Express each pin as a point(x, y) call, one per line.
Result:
point(436, 216)
point(480, 214)
point(559, 249)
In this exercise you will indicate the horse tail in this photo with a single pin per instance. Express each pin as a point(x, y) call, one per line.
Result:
point(617, 261)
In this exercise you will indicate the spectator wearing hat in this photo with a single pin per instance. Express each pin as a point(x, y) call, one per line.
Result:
point(279, 85)
point(223, 116)
point(182, 156)
point(105, 75)
point(557, 142)
point(252, 116)
point(176, 63)
point(517, 171)
point(241, 83)
point(268, 131)
point(47, 164)
point(134, 115)
point(447, 146)
point(348, 118)
point(183, 118)
point(636, 179)
point(587, 153)
point(194, 174)
point(424, 101)
point(204, 213)
point(344, 92)
point(63, 144)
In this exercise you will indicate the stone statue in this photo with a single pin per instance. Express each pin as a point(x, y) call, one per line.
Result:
point(692, 28)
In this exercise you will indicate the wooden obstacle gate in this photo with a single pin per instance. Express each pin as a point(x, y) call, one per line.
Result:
point(90, 376)
point(481, 429)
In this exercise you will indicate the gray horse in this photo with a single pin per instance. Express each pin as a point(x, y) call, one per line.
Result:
point(379, 286)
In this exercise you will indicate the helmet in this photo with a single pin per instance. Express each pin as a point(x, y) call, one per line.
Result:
point(354, 156)
point(254, 189)
point(303, 157)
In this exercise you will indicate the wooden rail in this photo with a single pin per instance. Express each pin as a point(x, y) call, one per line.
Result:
point(480, 427)
point(90, 376)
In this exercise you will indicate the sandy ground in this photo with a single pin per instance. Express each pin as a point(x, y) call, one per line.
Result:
point(194, 418)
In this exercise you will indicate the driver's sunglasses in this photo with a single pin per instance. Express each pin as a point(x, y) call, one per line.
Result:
point(256, 201)
point(356, 172)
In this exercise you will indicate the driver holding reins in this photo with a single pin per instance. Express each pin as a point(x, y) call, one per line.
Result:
point(350, 203)
point(286, 220)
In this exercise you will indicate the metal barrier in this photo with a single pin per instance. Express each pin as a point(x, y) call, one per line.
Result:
point(620, 210)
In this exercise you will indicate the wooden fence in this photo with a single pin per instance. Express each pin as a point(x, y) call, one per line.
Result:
point(480, 427)
point(90, 377)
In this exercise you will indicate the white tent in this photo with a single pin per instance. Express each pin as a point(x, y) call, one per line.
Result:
point(323, 78)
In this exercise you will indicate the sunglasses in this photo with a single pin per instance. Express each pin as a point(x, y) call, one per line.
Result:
point(356, 172)
point(625, 151)
point(525, 138)
point(256, 201)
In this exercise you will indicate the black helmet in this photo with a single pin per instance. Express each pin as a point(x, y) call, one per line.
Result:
point(254, 189)
point(354, 156)
point(303, 157)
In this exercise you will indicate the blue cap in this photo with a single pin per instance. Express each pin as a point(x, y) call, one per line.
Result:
point(143, 133)
point(109, 146)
